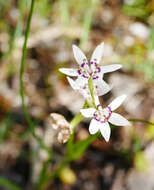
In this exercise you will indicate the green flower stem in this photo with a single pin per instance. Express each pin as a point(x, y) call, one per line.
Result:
point(141, 121)
point(24, 50)
point(75, 121)
point(91, 88)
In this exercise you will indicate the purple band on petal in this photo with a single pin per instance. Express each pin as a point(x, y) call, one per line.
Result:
point(104, 117)
point(91, 62)
point(109, 109)
point(103, 121)
point(96, 77)
point(79, 72)
point(108, 116)
point(84, 76)
point(96, 119)
point(99, 120)
point(110, 112)
point(98, 105)
point(83, 64)
point(95, 113)
point(98, 69)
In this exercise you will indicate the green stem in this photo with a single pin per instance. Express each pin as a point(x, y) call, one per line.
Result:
point(24, 50)
point(76, 120)
point(141, 121)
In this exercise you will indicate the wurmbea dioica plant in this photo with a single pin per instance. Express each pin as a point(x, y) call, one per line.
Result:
point(94, 71)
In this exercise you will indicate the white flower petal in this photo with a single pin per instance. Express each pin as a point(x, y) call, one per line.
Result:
point(73, 83)
point(86, 94)
point(105, 131)
point(97, 54)
point(96, 99)
point(94, 126)
point(110, 68)
point(79, 55)
point(82, 81)
point(117, 119)
point(88, 112)
point(117, 102)
point(69, 72)
point(101, 87)
point(81, 84)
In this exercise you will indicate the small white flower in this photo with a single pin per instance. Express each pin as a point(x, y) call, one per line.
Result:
point(102, 118)
point(93, 69)
point(81, 85)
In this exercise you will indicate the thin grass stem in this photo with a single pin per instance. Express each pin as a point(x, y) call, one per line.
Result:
point(24, 51)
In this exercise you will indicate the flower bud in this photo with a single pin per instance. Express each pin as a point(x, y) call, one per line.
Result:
point(59, 123)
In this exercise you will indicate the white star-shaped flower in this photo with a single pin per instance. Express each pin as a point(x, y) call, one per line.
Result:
point(103, 116)
point(92, 69)
point(81, 85)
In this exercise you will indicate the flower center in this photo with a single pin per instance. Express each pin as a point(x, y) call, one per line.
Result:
point(95, 69)
point(103, 115)
point(92, 70)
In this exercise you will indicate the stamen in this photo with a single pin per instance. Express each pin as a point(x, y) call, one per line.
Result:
point(98, 69)
point(109, 108)
point(97, 119)
point(79, 72)
point(98, 105)
point(84, 76)
point(83, 64)
point(96, 77)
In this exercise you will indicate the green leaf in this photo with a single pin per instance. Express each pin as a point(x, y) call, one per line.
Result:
point(79, 148)
point(6, 183)
point(139, 12)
